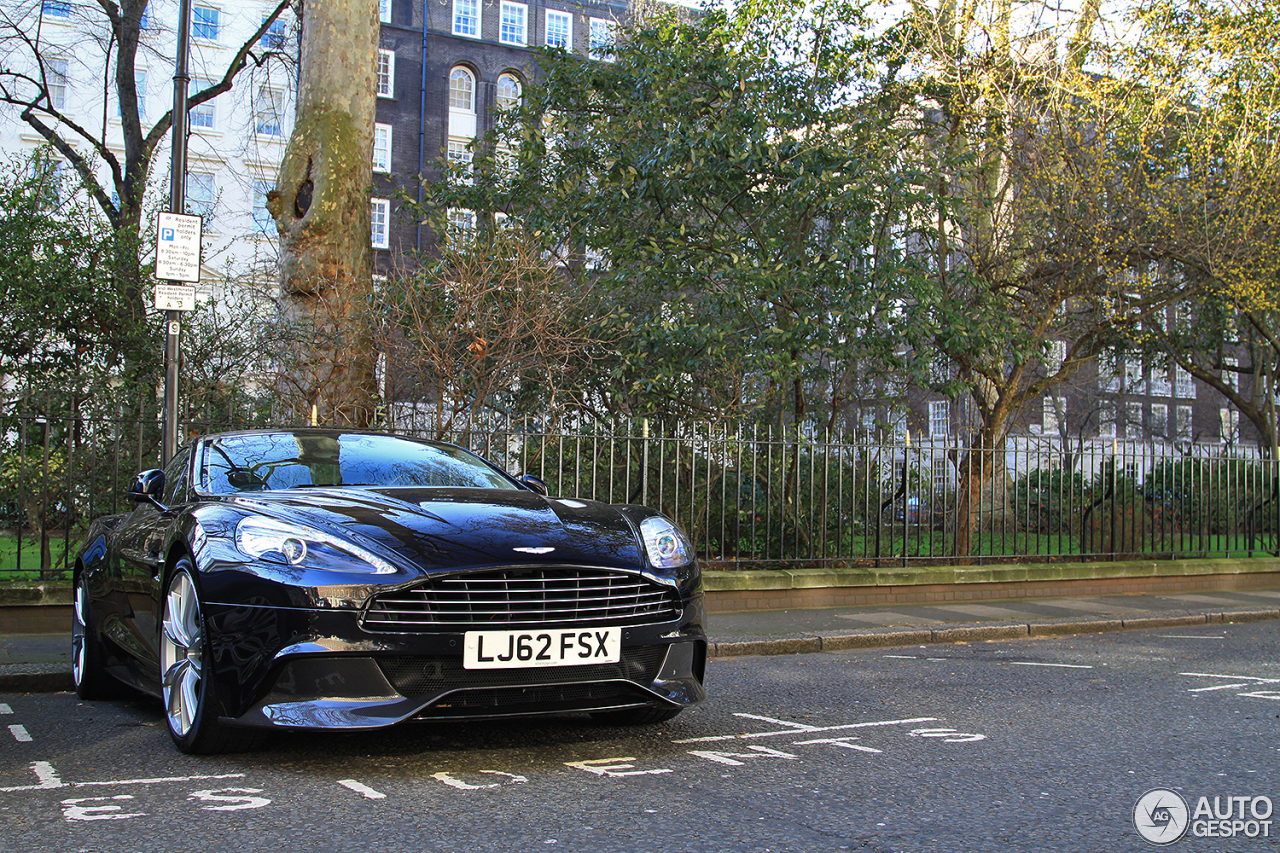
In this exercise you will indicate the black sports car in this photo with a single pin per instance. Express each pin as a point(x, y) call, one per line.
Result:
point(313, 579)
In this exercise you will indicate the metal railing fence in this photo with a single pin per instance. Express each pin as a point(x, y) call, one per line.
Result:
point(756, 498)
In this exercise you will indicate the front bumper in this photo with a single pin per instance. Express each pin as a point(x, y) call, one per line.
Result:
point(316, 669)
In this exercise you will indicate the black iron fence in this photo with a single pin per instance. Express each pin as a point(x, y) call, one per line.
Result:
point(755, 498)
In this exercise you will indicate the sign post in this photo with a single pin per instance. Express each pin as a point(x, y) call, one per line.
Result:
point(179, 235)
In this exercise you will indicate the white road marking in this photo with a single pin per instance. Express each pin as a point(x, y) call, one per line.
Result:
point(901, 657)
point(800, 727)
point(838, 741)
point(1254, 678)
point(48, 778)
point(364, 790)
point(948, 735)
point(20, 734)
point(1192, 636)
point(5, 709)
point(731, 758)
point(72, 810)
point(1059, 665)
point(1218, 687)
point(614, 767)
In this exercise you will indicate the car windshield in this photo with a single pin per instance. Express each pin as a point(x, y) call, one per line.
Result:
point(267, 461)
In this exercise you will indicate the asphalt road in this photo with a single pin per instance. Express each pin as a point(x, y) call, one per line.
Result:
point(1028, 745)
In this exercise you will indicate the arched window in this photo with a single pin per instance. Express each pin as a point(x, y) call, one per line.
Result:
point(462, 90)
point(508, 91)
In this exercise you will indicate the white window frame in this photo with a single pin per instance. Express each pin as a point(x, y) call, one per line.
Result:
point(216, 24)
point(272, 99)
point(1107, 420)
point(1159, 420)
point(564, 18)
point(939, 418)
point(1184, 384)
point(380, 223)
point(466, 18)
point(513, 23)
point(386, 73)
point(601, 34)
point(1134, 422)
point(1186, 422)
point(1054, 411)
point(201, 110)
point(1229, 419)
point(56, 9)
point(1231, 376)
point(460, 154)
point(57, 76)
point(276, 37)
point(457, 73)
point(384, 11)
point(382, 148)
point(262, 220)
point(499, 100)
point(198, 203)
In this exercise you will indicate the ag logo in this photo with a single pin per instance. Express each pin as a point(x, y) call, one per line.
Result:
point(1160, 816)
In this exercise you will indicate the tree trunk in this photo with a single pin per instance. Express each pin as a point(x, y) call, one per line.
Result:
point(321, 208)
point(982, 502)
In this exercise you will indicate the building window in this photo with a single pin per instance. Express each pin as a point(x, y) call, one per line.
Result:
point(466, 18)
point(267, 109)
point(1158, 382)
point(1184, 385)
point(460, 157)
point(384, 11)
point(202, 115)
point(201, 193)
point(55, 73)
point(1055, 412)
point(941, 470)
point(514, 17)
point(1184, 423)
point(380, 219)
point(462, 90)
point(939, 419)
point(462, 223)
point(382, 148)
point(1230, 421)
point(386, 73)
point(508, 94)
point(1107, 420)
point(1159, 420)
point(55, 9)
point(559, 29)
point(205, 23)
point(1230, 373)
point(601, 38)
point(1108, 372)
point(1133, 416)
point(1133, 376)
point(262, 220)
point(275, 37)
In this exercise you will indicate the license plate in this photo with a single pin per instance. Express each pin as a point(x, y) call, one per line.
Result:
point(555, 647)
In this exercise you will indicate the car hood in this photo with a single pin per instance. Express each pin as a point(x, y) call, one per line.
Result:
point(436, 529)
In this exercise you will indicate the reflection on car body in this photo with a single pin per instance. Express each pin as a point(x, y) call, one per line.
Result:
point(314, 579)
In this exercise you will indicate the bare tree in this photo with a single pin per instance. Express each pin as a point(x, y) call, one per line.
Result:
point(113, 164)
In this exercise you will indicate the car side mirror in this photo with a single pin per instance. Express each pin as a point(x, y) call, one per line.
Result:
point(147, 487)
point(535, 484)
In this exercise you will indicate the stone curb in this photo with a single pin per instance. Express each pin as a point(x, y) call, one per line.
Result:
point(889, 637)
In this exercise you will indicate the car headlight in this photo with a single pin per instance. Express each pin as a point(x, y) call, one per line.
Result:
point(296, 545)
point(665, 545)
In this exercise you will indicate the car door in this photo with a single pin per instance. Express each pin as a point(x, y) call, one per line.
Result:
point(140, 544)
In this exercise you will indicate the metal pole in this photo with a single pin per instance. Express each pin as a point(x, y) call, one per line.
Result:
point(177, 203)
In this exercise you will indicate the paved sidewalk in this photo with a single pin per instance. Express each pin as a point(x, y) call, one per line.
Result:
point(42, 662)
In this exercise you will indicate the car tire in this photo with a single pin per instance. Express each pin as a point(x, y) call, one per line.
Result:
point(644, 716)
point(187, 692)
point(88, 665)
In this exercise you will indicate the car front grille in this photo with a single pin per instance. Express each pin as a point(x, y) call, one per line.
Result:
point(513, 597)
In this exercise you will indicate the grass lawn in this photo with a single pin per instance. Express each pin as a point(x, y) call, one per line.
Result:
point(30, 563)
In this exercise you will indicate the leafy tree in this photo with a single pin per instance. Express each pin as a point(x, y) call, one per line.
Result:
point(730, 193)
point(1032, 237)
point(1207, 123)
